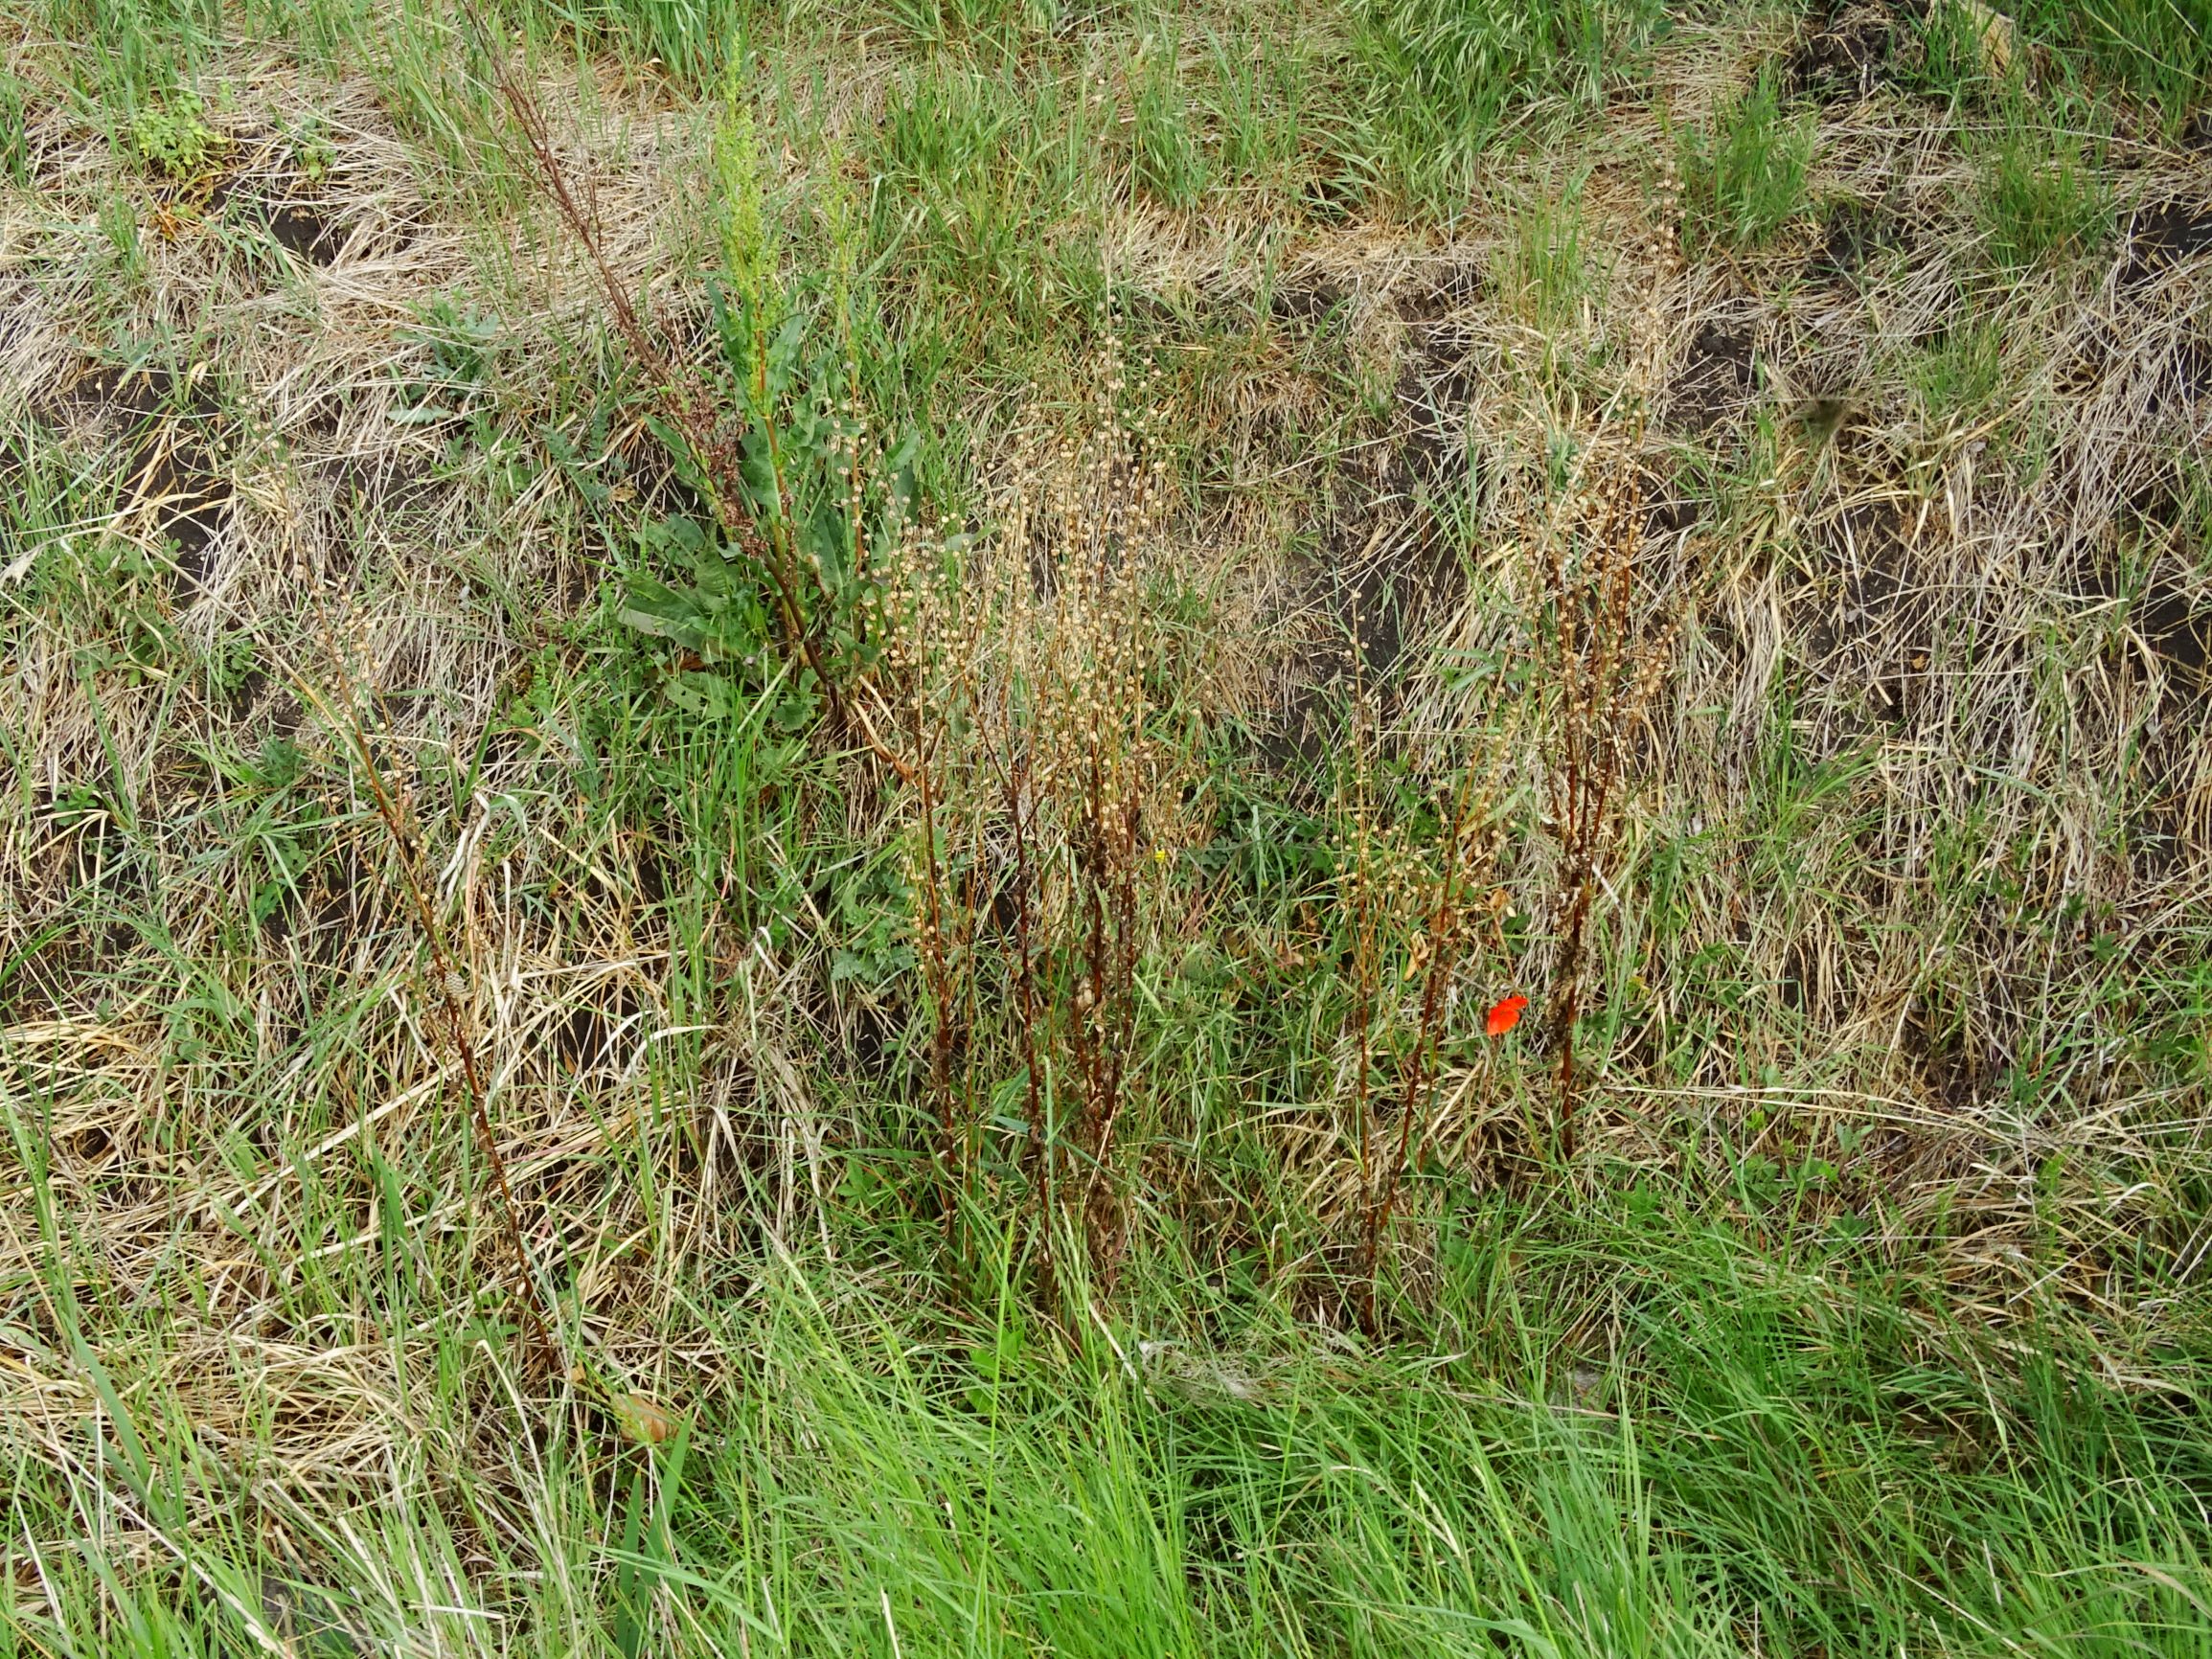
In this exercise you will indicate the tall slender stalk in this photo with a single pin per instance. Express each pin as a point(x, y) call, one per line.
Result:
point(1439, 942)
point(1599, 690)
point(447, 985)
point(700, 419)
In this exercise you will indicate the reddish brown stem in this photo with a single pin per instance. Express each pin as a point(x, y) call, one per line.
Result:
point(445, 977)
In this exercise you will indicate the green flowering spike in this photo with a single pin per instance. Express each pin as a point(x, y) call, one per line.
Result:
point(747, 258)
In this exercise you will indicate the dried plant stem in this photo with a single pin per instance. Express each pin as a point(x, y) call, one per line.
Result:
point(937, 967)
point(1113, 945)
point(445, 982)
point(1417, 1073)
point(1366, 930)
point(1598, 693)
point(1016, 797)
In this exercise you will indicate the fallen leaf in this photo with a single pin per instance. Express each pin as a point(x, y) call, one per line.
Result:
point(643, 1419)
point(1993, 34)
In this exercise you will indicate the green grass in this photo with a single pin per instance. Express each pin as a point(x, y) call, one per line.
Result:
point(1750, 1445)
point(1861, 1314)
point(1545, 262)
point(2046, 191)
point(2161, 50)
point(1959, 377)
point(1723, 1475)
point(1745, 176)
point(1448, 78)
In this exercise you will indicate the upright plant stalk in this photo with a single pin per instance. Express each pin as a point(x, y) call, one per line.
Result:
point(446, 984)
point(1111, 906)
point(1417, 1073)
point(1371, 893)
point(1016, 799)
point(1603, 685)
point(937, 969)
point(448, 980)
point(1593, 669)
point(691, 412)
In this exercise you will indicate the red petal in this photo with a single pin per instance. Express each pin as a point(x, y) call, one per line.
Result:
point(1505, 1015)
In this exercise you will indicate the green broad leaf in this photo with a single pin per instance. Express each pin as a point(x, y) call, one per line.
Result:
point(679, 453)
point(783, 352)
point(756, 471)
point(711, 697)
point(823, 541)
point(655, 609)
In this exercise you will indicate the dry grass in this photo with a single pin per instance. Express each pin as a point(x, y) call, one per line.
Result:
point(353, 574)
point(1911, 874)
